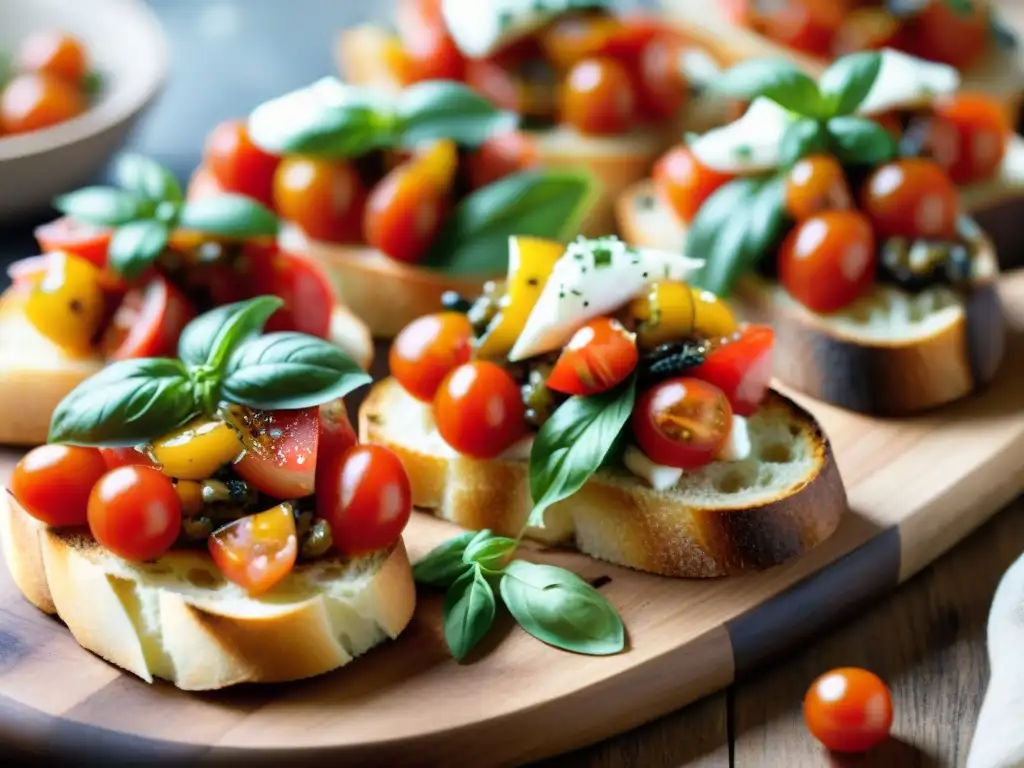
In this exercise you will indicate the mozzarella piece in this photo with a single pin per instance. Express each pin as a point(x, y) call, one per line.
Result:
point(591, 279)
point(905, 81)
point(737, 447)
point(659, 477)
point(748, 145)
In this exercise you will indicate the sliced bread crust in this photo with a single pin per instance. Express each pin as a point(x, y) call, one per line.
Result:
point(726, 519)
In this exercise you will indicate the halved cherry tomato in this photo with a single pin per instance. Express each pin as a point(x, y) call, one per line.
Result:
point(324, 198)
point(806, 25)
point(257, 551)
point(148, 322)
point(83, 240)
point(815, 184)
point(683, 422)
point(501, 156)
point(430, 50)
point(280, 451)
point(54, 53)
point(662, 88)
point(66, 302)
point(938, 32)
point(135, 512)
point(124, 457)
point(912, 197)
point(598, 98)
point(53, 482)
point(479, 410)
point(684, 183)
point(828, 261)
point(34, 101)
point(203, 184)
point(303, 285)
point(599, 356)
point(238, 164)
point(335, 435)
point(427, 350)
point(981, 128)
point(518, 78)
point(367, 499)
point(848, 710)
point(404, 212)
point(741, 367)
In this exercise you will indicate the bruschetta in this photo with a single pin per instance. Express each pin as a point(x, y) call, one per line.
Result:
point(882, 293)
point(595, 399)
point(210, 520)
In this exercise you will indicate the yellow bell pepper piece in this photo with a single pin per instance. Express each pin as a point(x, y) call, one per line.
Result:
point(439, 161)
point(671, 311)
point(196, 450)
point(67, 304)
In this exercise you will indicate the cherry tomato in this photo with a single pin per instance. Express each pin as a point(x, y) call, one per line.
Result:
point(83, 240)
point(427, 350)
point(575, 37)
point(325, 198)
point(737, 11)
point(662, 88)
point(518, 79)
point(806, 25)
point(53, 53)
point(376, 57)
point(280, 451)
point(815, 184)
point(848, 710)
point(598, 98)
point(741, 367)
point(135, 512)
point(257, 551)
point(124, 457)
point(53, 482)
point(404, 213)
point(303, 285)
point(148, 322)
point(429, 49)
point(982, 130)
point(938, 32)
point(66, 303)
point(683, 422)
point(501, 156)
point(912, 197)
point(367, 499)
point(31, 102)
point(335, 435)
point(203, 184)
point(866, 29)
point(238, 164)
point(599, 356)
point(684, 183)
point(828, 260)
point(479, 410)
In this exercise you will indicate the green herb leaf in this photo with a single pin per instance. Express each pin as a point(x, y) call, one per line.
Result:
point(100, 206)
point(860, 141)
point(573, 443)
point(444, 564)
point(960, 7)
point(213, 336)
point(469, 608)
point(93, 83)
point(126, 403)
point(777, 79)
point(6, 68)
point(136, 245)
point(288, 371)
point(559, 608)
point(228, 215)
point(846, 83)
point(802, 138)
point(444, 109)
point(490, 552)
point(147, 179)
point(474, 239)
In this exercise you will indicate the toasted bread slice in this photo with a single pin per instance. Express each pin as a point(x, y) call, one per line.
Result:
point(179, 620)
point(727, 518)
point(889, 353)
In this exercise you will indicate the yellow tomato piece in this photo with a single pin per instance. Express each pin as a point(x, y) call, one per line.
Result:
point(67, 304)
point(439, 161)
point(530, 261)
point(672, 311)
point(196, 450)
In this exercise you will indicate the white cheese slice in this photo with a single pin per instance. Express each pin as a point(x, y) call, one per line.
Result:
point(658, 476)
point(737, 447)
point(906, 81)
point(591, 279)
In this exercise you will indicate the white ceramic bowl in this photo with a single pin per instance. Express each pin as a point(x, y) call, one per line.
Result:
point(127, 46)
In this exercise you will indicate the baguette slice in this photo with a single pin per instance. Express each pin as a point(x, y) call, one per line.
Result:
point(179, 620)
point(889, 353)
point(725, 519)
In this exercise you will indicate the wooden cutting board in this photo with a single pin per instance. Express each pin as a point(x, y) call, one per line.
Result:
point(916, 487)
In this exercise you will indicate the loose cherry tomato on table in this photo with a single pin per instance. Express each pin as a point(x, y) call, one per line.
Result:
point(479, 410)
point(238, 164)
point(83, 240)
point(302, 284)
point(981, 129)
point(599, 356)
point(430, 52)
point(34, 101)
point(848, 710)
point(135, 512)
point(828, 260)
point(598, 98)
point(518, 79)
point(741, 367)
point(257, 551)
point(67, 303)
point(148, 321)
point(806, 25)
point(684, 183)
point(427, 350)
point(280, 450)
point(683, 422)
point(815, 184)
point(912, 197)
point(53, 482)
point(501, 156)
point(53, 53)
point(940, 32)
point(324, 198)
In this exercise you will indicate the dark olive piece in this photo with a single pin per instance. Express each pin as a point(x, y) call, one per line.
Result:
point(453, 301)
point(670, 360)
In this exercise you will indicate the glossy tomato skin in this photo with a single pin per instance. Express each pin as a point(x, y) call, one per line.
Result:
point(598, 98)
point(324, 198)
point(303, 285)
point(684, 183)
point(940, 33)
point(34, 101)
point(135, 512)
point(501, 156)
point(848, 710)
point(600, 355)
point(574, 37)
point(662, 90)
point(281, 451)
point(124, 457)
point(238, 164)
point(516, 78)
point(83, 240)
point(427, 350)
point(404, 213)
point(806, 25)
point(741, 367)
point(912, 197)
point(367, 500)
point(828, 261)
point(430, 52)
point(54, 53)
point(257, 551)
point(682, 422)
point(815, 184)
point(53, 483)
point(981, 130)
point(149, 321)
point(479, 410)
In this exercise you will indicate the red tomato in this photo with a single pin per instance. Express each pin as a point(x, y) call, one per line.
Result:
point(257, 551)
point(83, 240)
point(501, 156)
point(427, 350)
point(741, 368)
point(366, 498)
point(135, 512)
point(600, 355)
point(598, 98)
point(238, 164)
point(124, 457)
point(149, 321)
point(815, 184)
point(938, 32)
point(430, 51)
point(867, 29)
point(828, 261)
point(848, 710)
point(806, 25)
point(54, 53)
point(912, 197)
point(203, 184)
point(981, 128)
point(575, 37)
point(404, 213)
point(517, 78)
point(305, 288)
point(324, 198)
point(682, 422)
point(53, 482)
point(662, 89)
point(31, 102)
point(335, 435)
point(479, 410)
point(280, 451)
point(684, 183)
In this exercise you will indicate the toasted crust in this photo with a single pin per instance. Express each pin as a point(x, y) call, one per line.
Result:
point(615, 517)
point(176, 619)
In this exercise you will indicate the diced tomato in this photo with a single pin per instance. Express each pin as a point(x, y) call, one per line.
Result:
point(430, 51)
point(741, 368)
point(302, 284)
point(83, 240)
point(280, 451)
point(257, 551)
point(682, 422)
point(124, 457)
point(149, 321)
point(599, 356)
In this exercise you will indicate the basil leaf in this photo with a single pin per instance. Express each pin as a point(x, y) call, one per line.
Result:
point(777, 79)
point(228, 215)
point(445, 109)
point(573, 443)
point(288, 371)
point(100, 206)
point(860, 141)
point(147, 179)
point(92, 83)
point(960, 7)
point(469, 608)
point(559, 608)
point(126, 403)
point(444, 564)
point(474, 239)
point(847, 82)
point(490, 552)
point(213, 336)
point(136, 245)
point(803, 137)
